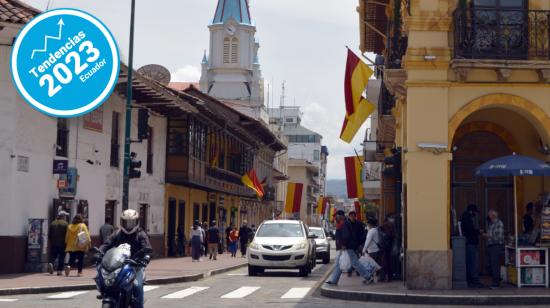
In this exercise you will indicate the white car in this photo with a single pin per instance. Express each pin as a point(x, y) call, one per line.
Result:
point(282, 244)
point(323, 244)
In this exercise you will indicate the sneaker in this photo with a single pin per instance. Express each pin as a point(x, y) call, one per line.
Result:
point(67, 270)
point(369, 281)
point(79, 274)
point(330, 283)
point(493, 287)
point(59, 273)
point(50, 268)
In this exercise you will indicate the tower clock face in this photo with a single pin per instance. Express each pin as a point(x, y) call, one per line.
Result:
point(230, 30)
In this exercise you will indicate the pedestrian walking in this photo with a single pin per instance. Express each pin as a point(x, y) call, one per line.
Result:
point(387, 235)
point(373, 242)
point(106, 230)
point(470, 229)
point(358, 231)
point(196, 242)
point(204, 248)
point(227, 232)
point(58, 231)
point(78, 242)
point(213, 240)
point(244, 236)
point(495, 246)
point(346, 243)
point(233, 238)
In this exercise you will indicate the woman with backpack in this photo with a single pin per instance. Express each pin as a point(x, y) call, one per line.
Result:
point(77, 241)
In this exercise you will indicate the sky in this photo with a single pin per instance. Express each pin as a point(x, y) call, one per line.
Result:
point(303, 42)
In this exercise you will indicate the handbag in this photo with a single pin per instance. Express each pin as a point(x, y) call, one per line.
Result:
point(82, 240)
point(344, 261)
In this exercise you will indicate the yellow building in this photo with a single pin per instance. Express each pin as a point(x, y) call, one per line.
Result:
point(469, 81)
point(207, 154)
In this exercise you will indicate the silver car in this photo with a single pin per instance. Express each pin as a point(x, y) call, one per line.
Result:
point(323, 244)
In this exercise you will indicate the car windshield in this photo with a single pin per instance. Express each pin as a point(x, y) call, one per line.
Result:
point(318, 232)
point(280, 230)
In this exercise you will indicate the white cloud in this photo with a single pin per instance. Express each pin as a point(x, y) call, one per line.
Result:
point(187, 73)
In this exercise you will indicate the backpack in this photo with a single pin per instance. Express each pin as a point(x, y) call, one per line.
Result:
point(82, 238)
point(384, 241)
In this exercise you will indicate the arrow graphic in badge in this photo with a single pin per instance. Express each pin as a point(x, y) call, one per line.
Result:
point(61, 24)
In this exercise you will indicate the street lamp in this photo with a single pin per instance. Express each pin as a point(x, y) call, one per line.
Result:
point(128, 119)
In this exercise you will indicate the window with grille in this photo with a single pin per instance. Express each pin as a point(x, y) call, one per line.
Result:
point(234, 50)
point(226, 50)
point(230, 50)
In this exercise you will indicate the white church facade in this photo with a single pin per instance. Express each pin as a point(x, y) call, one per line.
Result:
point(231, 71)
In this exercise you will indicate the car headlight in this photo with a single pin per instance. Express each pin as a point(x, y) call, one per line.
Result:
point(254, 246)
point(300, 246)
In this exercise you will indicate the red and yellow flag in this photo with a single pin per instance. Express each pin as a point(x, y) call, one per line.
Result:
point(250, 180)
point(293, 197)
point(358, 109)
point(353, 176)
point(332, 214)
point(321, 205)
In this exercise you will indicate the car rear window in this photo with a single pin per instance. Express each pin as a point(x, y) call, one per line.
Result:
point(318, 232)
point(280, 230)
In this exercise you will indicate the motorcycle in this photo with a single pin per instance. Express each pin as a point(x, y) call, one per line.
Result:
point(116, 272)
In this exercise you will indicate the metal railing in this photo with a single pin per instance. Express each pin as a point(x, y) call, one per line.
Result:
point(511, 34)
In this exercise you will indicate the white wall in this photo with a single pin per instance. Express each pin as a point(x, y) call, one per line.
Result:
point(26, 132)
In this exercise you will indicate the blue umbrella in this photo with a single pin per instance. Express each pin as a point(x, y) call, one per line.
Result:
point(513, 165)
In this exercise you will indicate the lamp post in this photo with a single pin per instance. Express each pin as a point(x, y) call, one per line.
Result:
point(128, 118)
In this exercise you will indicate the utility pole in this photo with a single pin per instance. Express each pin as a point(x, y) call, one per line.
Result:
point(128, 118)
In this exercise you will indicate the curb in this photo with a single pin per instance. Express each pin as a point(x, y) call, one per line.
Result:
point(86, 287)
point(420, 299)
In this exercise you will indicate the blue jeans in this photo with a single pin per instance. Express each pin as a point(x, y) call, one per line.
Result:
point(472, 263)
point(337, 272)
point(138, 288)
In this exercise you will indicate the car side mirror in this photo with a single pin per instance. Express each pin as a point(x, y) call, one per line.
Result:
point(311, 236)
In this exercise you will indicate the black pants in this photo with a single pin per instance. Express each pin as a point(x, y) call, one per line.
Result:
point(495, 253)
point(79, 257)
point(243, 247)
point(57, 252)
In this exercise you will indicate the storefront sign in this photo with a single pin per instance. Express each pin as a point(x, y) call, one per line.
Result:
point(71, 178)
point(60, 166)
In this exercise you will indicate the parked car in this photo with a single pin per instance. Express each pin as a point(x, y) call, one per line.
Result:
point(322, 243)
point(282, 244)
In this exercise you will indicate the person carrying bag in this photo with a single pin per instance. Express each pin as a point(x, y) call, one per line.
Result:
point(78, 242)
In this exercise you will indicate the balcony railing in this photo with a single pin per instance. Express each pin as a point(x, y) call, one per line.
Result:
point(510, 34)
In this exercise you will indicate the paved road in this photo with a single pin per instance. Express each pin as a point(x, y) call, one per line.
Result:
point(233, 289)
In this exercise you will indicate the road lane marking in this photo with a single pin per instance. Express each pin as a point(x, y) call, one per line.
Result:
point(149, 288)
point(241, 292)
point(296, 293)
point(67, 295)
point(184, 293)
point(8, 300)
point(238, 274)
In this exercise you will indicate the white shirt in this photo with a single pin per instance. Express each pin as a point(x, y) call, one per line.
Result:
point(373, 238)
point(197, 232)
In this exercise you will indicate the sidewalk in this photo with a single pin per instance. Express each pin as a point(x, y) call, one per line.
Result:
point(395, 292)
point(160, 271)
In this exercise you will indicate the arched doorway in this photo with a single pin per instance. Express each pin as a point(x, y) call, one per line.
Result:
point(471, 149)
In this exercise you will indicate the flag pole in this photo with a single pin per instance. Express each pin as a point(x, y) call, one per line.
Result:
point(380, 67)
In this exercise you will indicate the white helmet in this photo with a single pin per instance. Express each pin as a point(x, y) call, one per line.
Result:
point(129, 221)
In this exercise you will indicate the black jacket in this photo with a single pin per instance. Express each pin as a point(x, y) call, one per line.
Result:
point(358, 231)
point(345, 236)
point(137, 240)
point(245, 233)
point(468, 229)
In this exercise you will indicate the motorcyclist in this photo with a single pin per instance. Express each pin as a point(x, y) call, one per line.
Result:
point(131, 233)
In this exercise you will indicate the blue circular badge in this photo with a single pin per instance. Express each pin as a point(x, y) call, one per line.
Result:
point(65, 63)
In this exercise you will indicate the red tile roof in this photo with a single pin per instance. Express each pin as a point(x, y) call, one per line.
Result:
point(14, 11)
